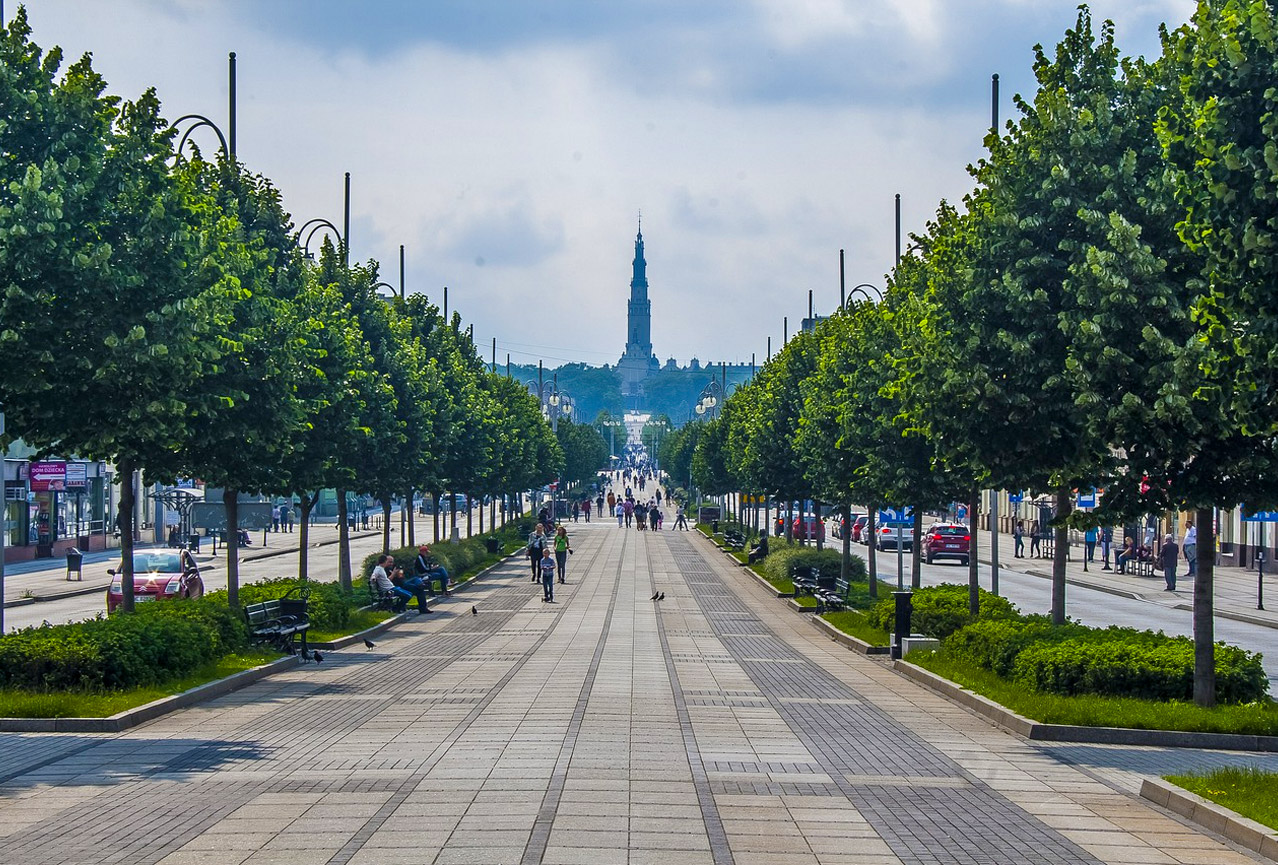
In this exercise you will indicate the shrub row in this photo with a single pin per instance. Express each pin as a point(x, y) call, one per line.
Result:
point(941, 610)
point(456, 557)
point(158, 643)
point(328, 606)
point(784, 556)
point(1073, 659)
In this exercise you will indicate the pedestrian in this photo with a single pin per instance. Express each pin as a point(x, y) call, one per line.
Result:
point(1036, 540)
point(585, 509)
point(628, 509)
point(1168, 558)
point(1190, 544)
point(576, 510)
point(381, 579)
point(1089, 544)
point(641, 516)
point(547, 577)
point(621, 516)
point(1107, 544)
point(1018, 535)
point(652, 517)
point(681, 521)
point(563, 548)
point(288, 517)
point(612, 502)
point(413, 584)
point(428, 570)
point(661, 516)
point(658, 497)
point(599, 505)
point(275, 519)
point(536, 546)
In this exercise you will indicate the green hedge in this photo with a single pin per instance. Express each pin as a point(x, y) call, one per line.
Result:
point(941, 610)
point(783, 556)
point(158, 643)
point(328, 607)
point(460, 556)
point(1073, 659)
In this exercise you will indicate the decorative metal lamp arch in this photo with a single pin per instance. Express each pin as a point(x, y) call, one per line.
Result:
point(198, 121)
point(308, 230)
point(864, 292)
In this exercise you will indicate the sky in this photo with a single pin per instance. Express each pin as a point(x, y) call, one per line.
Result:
point(510, 146)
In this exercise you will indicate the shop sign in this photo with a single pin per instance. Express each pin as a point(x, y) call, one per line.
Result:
point(77, 475)
point(48, 476)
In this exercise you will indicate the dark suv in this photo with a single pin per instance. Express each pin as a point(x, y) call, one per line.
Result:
point(946, 541)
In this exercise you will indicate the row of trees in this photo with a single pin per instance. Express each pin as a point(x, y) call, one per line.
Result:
point(1098, 313)
point(157, 313)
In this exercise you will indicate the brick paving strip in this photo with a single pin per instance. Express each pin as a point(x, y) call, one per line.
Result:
point(938, 785)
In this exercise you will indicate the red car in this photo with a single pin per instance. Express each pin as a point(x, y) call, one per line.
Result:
point(157, 575)
point(947, 541)
point(858, 528)
point(808, 526)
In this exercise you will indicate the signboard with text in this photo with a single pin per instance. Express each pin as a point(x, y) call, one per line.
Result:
point(77, 475)
point(896, 517)
point(48, 476)
point(1259, 516)
point(1087, 500)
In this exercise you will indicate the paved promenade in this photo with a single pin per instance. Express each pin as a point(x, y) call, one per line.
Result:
point(714, 726)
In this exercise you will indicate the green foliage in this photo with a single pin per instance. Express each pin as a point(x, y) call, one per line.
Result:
point(1162, 670)
point(1249, 790)
point(328, 605)
point(857, 624)
point(941, 610)
point(585, 452)
point(158, 643)
point(784, 557)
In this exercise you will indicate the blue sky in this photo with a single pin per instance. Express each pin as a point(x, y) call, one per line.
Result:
point(509, 145)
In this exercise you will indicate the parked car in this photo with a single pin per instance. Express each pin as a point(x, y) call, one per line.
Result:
point(808, 526)
point(946, 541)
point(841, 526)
point(157, 575)
point(858, 528)
point(893, 537)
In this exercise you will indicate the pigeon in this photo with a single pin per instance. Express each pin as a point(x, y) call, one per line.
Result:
point(661, 597)
point(370, 644)
point(319, 659)
point(654, 596)
point(474, 611)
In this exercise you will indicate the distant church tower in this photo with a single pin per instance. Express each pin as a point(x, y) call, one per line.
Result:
point(638, 362)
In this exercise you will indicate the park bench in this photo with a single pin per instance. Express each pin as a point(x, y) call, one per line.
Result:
point(805, 579)
point(832, 593)
point(281, 622)
point(380, 600)
point(734, 540)
point(1142, 565)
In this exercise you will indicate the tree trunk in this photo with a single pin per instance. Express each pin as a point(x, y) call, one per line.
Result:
point(303, 537)
point(412, 519)
point(916, 553)
point(845, 567)
point(481, 516)
point(789, 521)
point(386, 517)
point(817, 525)
point(470, 514)
point(1204, 611)
point(871, 553)
point(343, 542)
point(403, 524)
point(128, 500)
point(973, 564)
point(1064, 504)
point(436, 515)
point(231, 501)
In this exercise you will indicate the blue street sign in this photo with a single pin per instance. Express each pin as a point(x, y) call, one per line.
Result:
point(1260, 516)
point(1087, 500)
point(896, 517)
point(1016, 498)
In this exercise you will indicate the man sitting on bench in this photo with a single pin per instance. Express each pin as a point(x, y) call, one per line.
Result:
point(428, 570)
point(759, 551)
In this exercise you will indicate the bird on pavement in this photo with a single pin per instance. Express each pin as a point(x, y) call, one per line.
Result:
point(655, 596)
point(370, 644)
point(474, 611)
point(319, 659)
point(661, 597)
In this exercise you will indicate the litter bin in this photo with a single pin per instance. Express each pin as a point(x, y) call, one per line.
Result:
point(492, 545)
point(714, 527)
point(193, 542)
point(75, 560)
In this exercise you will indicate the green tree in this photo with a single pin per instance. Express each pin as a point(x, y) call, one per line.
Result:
point(585, 453)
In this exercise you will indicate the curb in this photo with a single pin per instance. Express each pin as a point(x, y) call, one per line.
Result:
point(352, 639)
point(1217, 818)
point(851, 642)
point(132, 717)
point(1039, 732)
point(768, 587)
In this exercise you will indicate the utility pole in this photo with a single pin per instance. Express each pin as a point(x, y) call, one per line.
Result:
point(843, 289)
point(402, 295)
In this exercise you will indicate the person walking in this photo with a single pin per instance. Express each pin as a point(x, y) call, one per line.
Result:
point(681, 521)
point(653, 515)
point(1018, 535)
point(612, 502)
point(1036, 540)
point(1089, 545)
point(628, 508)
point(562, 550)
point(599, 504)
point(537, 546)
point(1190, 545)
point(585, 509)
point(1107, 544)
point(547, 577)
point(641, 516)
point(1168, 559)
point(621, 516)
point(576, 510)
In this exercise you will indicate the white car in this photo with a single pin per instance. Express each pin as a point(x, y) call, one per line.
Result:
point(894, 537)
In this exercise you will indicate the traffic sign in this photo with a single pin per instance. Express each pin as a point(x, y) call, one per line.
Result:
point(1016, 498)
point(896, 517)
point(1087, 500)
point(1260, 516)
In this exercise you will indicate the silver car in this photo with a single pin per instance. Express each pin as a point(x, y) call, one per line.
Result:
point(894, 537)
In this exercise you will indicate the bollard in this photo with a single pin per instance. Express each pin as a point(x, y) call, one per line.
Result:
point(901, 625)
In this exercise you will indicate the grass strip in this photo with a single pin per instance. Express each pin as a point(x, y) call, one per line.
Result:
point(1250, 791)
point(854, 624)
point(1087, 710)
point(806, 601)
point(360, 620)
point(16, 703)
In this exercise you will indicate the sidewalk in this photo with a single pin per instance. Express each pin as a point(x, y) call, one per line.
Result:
point(1235, 587)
